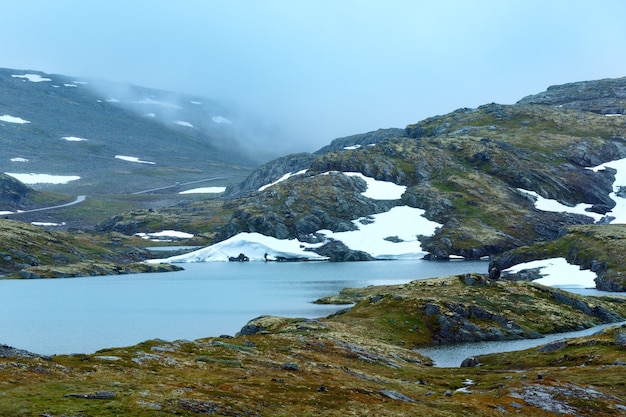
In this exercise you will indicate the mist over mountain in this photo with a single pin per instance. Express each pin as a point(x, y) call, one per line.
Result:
point(121, 137)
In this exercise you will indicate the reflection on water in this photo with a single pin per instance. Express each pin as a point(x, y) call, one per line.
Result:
point(207, 299)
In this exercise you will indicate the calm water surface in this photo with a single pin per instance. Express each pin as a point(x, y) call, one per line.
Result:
point(451, 356)
point(82, 315)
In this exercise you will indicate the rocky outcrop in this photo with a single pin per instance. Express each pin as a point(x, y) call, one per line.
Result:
point(269, 173)
point(361, 140)
point(598, 248)
point(11, 352)
point(338, 252)
point(299, 207)
point(12, 193)
point(274, 170)
point(606, 96)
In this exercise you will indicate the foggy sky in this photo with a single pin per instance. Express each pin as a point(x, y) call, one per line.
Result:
point(323, 69)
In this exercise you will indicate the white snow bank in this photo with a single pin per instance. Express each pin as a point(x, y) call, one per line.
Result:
point(35, 78)
point(283, 178)
point(43, 178)
point(73, 139)
point(70, 85)
point(546, 204)
point(351, 148)
point(12, 119)
point(254, 245)
point(619, 211)
point(19, 160)
point(402, 223)
point(2, 213)
point(557, 272)
point(47, 224)
point(183, 123)
point(379, 190)
point(132, 159)
point(221, 120)
point(165, 234)
point(204, 190)
point(158, 103)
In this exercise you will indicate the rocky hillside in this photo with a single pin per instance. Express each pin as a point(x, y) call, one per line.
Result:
point(473, 171)
point(362, 362)
point(465, 169)
point(28, 251)
point(12, 193)
point(599, 248)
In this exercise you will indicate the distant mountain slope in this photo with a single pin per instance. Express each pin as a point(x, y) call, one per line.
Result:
point(115, 137)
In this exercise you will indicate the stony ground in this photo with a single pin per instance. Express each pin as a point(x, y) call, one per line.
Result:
point(357, 363)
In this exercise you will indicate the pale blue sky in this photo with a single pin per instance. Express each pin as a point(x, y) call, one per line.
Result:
point(324, 68)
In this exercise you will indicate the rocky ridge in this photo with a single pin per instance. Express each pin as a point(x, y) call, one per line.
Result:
point(464, 169)
point(606, 96)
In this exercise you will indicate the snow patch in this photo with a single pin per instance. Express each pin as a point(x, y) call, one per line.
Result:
point(73, 139)
point(12, 119)
point(112, 100)
point(132, 159)
point(158, 103)
point(19, 160)
point(183, 123)
point(34, 78)
point(254, 245)
point(165, 234)
point(204, 190)
point(195, 102)
point(619, 211)
point(221, 120)
point(70, 85)
point(283, 178)
point(43, 178)
point(47, 224)
point(3, 213)
point(546, 204)
point(557, 272)
point(390, 235)
point(351, 148)
point(404, 224)
point(379, 190)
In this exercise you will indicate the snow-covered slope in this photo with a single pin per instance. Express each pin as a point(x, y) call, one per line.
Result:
point(389, 235)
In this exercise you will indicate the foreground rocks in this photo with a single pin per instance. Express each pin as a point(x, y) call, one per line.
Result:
point(359, 362)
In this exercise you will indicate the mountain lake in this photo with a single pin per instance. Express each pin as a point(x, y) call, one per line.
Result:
point(83, 315)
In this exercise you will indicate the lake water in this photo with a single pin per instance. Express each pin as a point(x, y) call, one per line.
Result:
point(82, 315)
point(451, 356)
